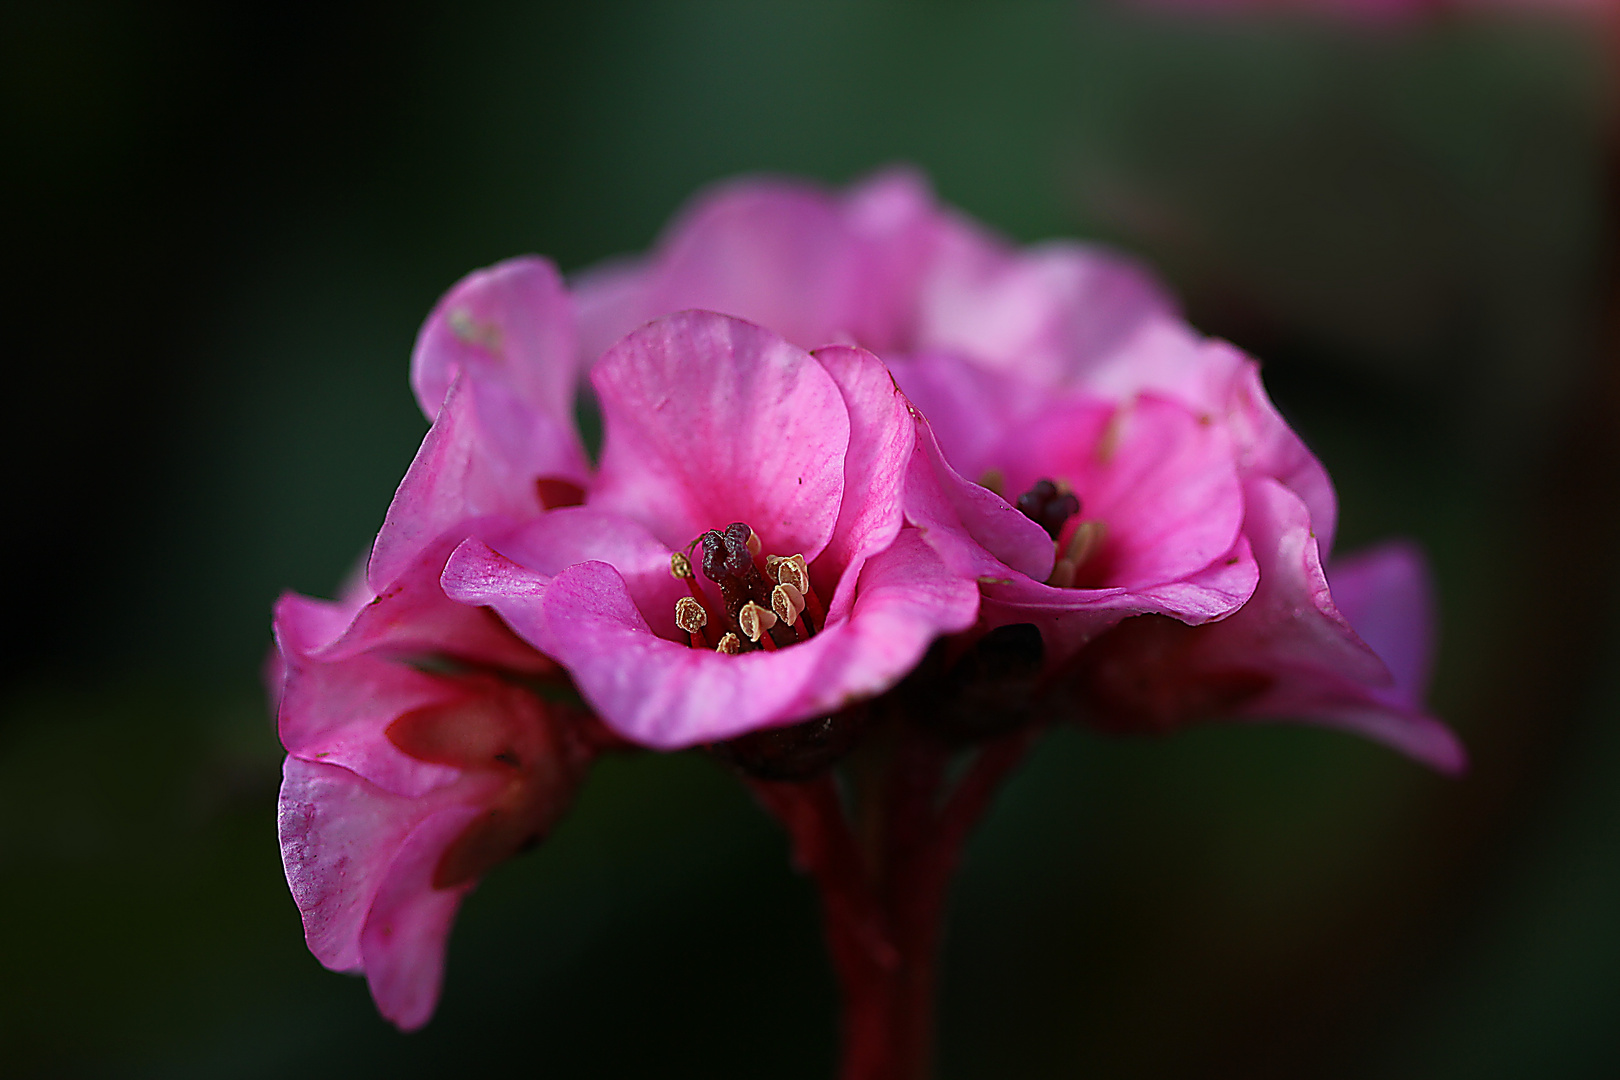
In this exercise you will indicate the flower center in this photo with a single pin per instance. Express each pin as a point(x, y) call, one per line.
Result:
point(1050, 506)
point(765, 603)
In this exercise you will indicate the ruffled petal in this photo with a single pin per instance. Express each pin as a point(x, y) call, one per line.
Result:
point(402, 944)
point(460, 473)
point(510, 324)
point(666, 696)
point(882, 436)
point(977, 532)
point(711, 420)
point(338, 836)
point(1048, 313)
point(511, 573)
point(1385, 593)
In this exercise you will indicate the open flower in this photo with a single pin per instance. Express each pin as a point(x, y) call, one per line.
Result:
point(1174, 496)
point(741, 560)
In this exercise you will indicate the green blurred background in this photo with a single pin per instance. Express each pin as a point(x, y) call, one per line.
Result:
point(226, 223)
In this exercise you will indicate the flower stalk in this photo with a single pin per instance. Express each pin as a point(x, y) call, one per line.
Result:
point(883, 861)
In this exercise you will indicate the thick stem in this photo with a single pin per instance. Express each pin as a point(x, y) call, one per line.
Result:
point(883, 904)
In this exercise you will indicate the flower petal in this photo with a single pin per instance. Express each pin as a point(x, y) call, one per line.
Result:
point(511, 573)
point(711, 420)
point(882, 436)
point(461, 473)
point(403, 942)
point(338, 836)
point(1385, 594)
point(510, 324)
point(1047, 313)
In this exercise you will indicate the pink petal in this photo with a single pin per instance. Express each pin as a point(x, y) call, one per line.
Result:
point(882, 436)
point(1291, 621)
point(976, 531)
point(1071, 618)
point(511, 324)
point(711, 420)
point(511, 574)
point(1047, 313)
point(337, 713)
point(666, 695)
point(971, 408)
point(1210, 377)
point(403, 942)
point(338, 836)
point(1385, 594)
point(462, 472)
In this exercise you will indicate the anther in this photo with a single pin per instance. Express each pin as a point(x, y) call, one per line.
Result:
point(993, 479)
point(788, 602)
point(691, 617)
point(730, 645)
point(754, 621)
point(753, 543)
point(680, 565)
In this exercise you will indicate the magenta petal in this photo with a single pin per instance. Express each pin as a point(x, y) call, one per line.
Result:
point(774, 252)
point(1070, 618)
point(456, 476)
point(403, 942)
point(511, 576)
point(882, 435)
point(667, 696)
point(1385, 594)
point(976, 531)
point(512, 323)
point(1291, 621)
point(1048, 313)
point(972, 409)
point(711, 420)
point(338, 836)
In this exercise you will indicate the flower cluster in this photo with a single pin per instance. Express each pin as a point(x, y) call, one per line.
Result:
point(856, 451)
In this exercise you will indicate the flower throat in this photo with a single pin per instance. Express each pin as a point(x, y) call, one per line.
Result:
point(764, 604)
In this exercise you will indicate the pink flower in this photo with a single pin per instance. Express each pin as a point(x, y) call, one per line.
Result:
point(419, 756)
point(788, 469)
point(1171, 489)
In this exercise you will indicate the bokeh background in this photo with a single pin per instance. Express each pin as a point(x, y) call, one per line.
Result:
point(224, 225)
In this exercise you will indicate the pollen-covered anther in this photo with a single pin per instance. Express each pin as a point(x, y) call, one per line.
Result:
point(691, 617)
point(754, 621)
point(788, 603)
point(730, 645)
point(1083, 543)
point(753, 543)
point(680, 565)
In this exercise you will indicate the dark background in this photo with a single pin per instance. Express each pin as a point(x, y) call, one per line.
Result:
point(224, 225)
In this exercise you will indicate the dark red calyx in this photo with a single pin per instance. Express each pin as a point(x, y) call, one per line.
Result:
point(1048, 507)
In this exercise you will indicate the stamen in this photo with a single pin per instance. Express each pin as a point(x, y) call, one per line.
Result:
point(753, 543)
point(788, 602)
point(793, 571)
point(691, 617)
point(755, 621)
point(1083, 543)
point(730, 645)
point(994, 479)
point(680, 565)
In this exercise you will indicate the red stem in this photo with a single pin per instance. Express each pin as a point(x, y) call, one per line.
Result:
point(883, 907)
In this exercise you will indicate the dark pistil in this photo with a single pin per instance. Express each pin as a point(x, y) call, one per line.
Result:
point(730, 565)
point(1047, 507)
